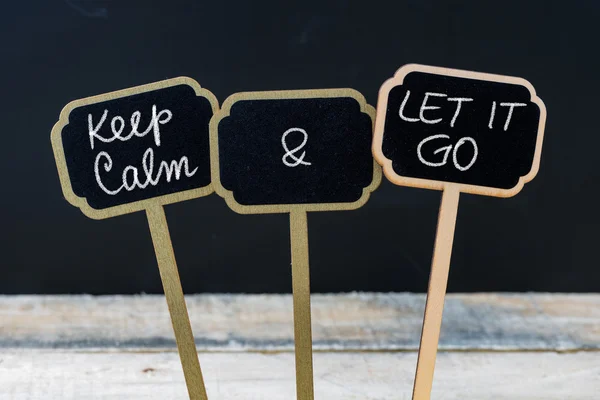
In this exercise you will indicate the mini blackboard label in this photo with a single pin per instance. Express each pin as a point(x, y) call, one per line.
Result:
point(122, 151)
point(437, 126)
point(309, 150)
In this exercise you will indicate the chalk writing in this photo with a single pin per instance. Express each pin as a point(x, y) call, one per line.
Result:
point(446, 150)
point(154, 126)
point(131, 176)
point(290, 154)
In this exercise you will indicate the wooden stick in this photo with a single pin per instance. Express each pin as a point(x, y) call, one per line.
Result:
point(434, 307)
point(176, 302)
point(301, 294)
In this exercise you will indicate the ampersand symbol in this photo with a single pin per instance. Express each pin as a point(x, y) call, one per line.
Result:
point(290, 154)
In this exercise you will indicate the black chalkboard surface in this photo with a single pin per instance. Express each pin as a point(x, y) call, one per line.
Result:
point(481, 131)
point(310, 148)
point(116, 151)
point(58, 51)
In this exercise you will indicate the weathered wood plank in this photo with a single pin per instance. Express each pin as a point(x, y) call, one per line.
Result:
point(36, 374)
point(349, 322)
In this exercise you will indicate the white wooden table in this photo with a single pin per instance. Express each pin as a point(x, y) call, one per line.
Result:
point(493, 346)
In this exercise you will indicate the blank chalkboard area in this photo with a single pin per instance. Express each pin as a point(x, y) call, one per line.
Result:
point(461, 130)
point(543, 239)
point(296, 151)
point(139, 146)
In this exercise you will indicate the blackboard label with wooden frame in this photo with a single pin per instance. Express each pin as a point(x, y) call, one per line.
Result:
point(456, 131)
point(292, 152)
point(139, 149)
point(123, 151)
point(285, 151)
point(480, 132)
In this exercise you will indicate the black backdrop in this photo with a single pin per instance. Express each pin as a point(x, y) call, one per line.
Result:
point(543, 239)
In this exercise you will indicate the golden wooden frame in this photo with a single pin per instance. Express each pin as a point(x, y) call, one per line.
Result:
point(298, 223)
point(157, 222)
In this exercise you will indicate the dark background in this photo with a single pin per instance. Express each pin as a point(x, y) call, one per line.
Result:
point(544, 239)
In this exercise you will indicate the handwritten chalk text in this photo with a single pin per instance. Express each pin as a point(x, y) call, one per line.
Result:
point(131, 177)
point(431, 120)
point(292, 153)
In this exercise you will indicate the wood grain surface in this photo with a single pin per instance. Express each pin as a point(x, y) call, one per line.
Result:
point(348, 322)
point(493, 346)
point(58, 374)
